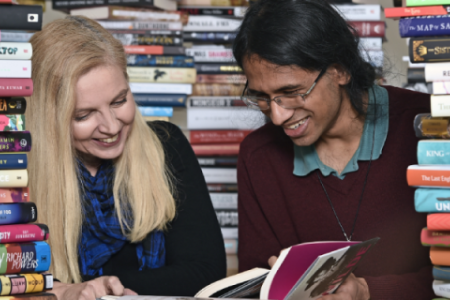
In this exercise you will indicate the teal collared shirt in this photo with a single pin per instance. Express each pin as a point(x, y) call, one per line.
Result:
point(306, 159)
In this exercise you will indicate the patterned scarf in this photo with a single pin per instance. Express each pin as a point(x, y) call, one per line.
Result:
point(101, 235)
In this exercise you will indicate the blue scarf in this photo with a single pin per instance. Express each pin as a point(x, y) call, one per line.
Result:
point(101, 236)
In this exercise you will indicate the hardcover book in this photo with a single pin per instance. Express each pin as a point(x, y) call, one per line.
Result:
point(440, 256)
point(34, 296)
point(435, 238)
point(432, 200)
point(215, 101)
point(160, 99)
point(220, 175)
point(429, 50)
point(161, 88)
point(224, 200)
point(180, 61)
point(218, 69)
point(21, 17)
point(25, 283)
point(211, 23)
point(15, 50)
point(369, 28)
point(441, 273)
point(433, 152)
point(23, 233)
point(15, 87)
point(210, 37)
point(428, 175)
point(217, 136)
point(154, 111)
point(211, 55)
point(24, 257)
point(232, 118)
point(440, 105)
point(142, 25)
point(427, 126)
point(16, 37)
point(215, 89)
point(227, 218)
point(441, 87)
point(154, 50)
point(441, 288)
point(15, 69)
point(221, 78)
point(216, 149)
point(360, 12)
point(165, 75)
point(416, 75)
point(438, 221)
point(13, 179)
point(15, 141)
point(8, 195)
point(9, 161)
point(371, 43)
point(17, 213)
point(426, 2)
point(12, 106)
point(128, 39)
point(221, 187)
point(230, 11)
point(437, 72)
point(218, 161)
point(424, 26)
point(66, 5)
point(12, 122)
point(401, 12)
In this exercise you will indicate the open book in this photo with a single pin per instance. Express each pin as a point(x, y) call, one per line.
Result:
point(304, 271)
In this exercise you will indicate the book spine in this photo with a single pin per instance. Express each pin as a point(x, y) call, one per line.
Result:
point(361, 12)
point(229, 233)
point(13, 195)
point(21, 17)
point(160, 61)
point(146, 32)
point(440, 105)
point(17, 213)
point(218, 69)
point(15, 50)
point(217, 136)
point(424, 26)
point(138, 39)
point(370, 43)
point(13, 161)
point(216, 101)
point(426, 2)
point(202, 89)
point(435, 238)
point(441, 288)
point(415, 75)
point(220, 175)
point(160, 100)
point(369, 28)
point(155, 50)
point(217, 161)
point(142, 25)
point(215, 11)
point(213, 37)
point(224, 200)
point(161, 88)
point(427, 177)
point(228, 218)
point(438, 221)
point(153, 118)
point(231, 118)
point(222, 78)
point(15, 87)
point(130, 13)
point(12, 122)
point(23, 233)
point(211, 55)
point(15, 37)
point(156, 74)
point(25, 283)
point(440, 256)
point(24, 257)
point(429, 50)
point(441, 273)
point(216, 149)
point(437, 72)
point(209, 23)
point(13, 178)
point(153, 111)
point(231, 246)
point(426, 126)
point(433, 152)
point(12, 106)
point(401, 12)
point(213, 3)
point(441, 87)
point(15, 69)
point(222, 188)
point(15, 141)
point(432, 200)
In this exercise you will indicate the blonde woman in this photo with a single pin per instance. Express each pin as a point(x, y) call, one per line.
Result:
point(126, 203)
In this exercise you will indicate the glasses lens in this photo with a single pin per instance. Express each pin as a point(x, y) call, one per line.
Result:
point(290, 101)
point(255, 102)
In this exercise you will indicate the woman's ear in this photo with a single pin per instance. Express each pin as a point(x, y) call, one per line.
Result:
point(341, 75)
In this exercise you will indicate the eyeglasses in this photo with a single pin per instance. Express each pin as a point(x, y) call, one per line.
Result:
point(288, 101)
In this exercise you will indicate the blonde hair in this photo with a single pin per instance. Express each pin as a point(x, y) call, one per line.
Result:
point(65, 50)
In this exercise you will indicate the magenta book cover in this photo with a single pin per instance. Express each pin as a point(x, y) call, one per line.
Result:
point(23, 233)
point(15, 141)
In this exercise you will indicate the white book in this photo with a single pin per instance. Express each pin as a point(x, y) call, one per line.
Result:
point(144, 25)
point(161, 88)
point(104, 12)
point(229, 233)
point(440, 106)
point(437, 72)
point(15, 50)
point(223, 118)
point(17, 37)
point(238, 11)
point(441, 288)
point(211, 23)
point(224, 200)
point(211, 55)
point(371, 43)
point(220, 175)
point(361, 12)
point(15, 68)
point(441, 87)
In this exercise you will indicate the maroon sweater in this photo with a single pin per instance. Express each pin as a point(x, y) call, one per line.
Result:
point(278, 209)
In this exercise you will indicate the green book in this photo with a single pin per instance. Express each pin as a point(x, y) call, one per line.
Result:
point(427, 2)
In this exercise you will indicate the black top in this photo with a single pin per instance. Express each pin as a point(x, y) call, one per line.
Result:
point(195, 252)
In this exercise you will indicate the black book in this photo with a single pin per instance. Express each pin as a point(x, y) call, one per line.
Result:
point(209, 37)
point(233, 11)
point(21, 17)
point(67, 5)
point(13, 106)
point(429, 49)
point(218, 68)
point(416, 75)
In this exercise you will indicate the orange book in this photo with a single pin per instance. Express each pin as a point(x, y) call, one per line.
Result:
point(216, 149)
point(438, 221)
point(428, 175)
point(440, 256)
point(154, 50)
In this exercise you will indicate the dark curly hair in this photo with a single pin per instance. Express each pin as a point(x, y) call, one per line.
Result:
point(310, 34)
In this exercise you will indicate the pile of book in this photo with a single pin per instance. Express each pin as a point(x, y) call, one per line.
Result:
point(24, 254)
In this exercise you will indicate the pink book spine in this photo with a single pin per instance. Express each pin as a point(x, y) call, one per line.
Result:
point(8, 195)
point(13, 87)
point(23, 233)
point(435, 238)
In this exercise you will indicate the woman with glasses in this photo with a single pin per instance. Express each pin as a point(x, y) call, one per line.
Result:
point(331, 163)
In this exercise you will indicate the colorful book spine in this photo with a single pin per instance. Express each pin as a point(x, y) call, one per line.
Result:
point(428, 175)
point(211, 55)
point(217, 136)
point(139, 39)
point(369, 28)
point(216, 101)
point(215, 89)
point(15, 37)
point(15, 69)
point(433, 152)
point(437, 72)
point(427, 126)
point(217, 161)
point(15, 87)
point(10, 161)
point(164, 75)
point(25, 283)
point(12, 122)
point(440, 105)
point(435, 238)
point(17, 213)
point(424, 26)
point(13, 195)
point(211, 23)
point(440, 256)
point(221, 78)
point(21, 17)
point(402, 12)
point(15, 50)
point(145, 32)
point(12, 106)
point(150, 111)
point(160, 61)
point(222, 188)
point(155, 50)
point(142, 25)
point(441, 273)
point(160, 99)
point(438, 221)
point(161, 88)
point(213, 37)
point(218, 69)
point(429, 50)
point(432, 200)
point(23, 233)
point(24, 257)
point(233, 11)
point(15, 141)
point(426, 2)
point(216, 149)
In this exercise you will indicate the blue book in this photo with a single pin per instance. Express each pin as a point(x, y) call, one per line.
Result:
point(429, 200)
point(13, 161)
point(424, 26)
point(155, 111)
point(24, 257)
point(160, 99)
point(441, 273)
point(433, 152)
point(179, 61)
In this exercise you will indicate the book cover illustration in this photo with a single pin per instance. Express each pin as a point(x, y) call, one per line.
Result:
point(25, 283)
point(24, 257)
point(12, 122)
point(15, 141)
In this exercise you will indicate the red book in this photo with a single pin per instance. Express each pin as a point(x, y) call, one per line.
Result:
point(216, 149)
point(369, 28)
point(438, 222)
point(8, 195)
point(428, 175)
point(23, 233)
point(217, 136)
point(435, 238)
point(400, 12)
point(154, 50)
point(12, 87)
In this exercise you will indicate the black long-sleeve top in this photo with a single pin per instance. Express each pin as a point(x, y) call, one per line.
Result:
point(195, 254)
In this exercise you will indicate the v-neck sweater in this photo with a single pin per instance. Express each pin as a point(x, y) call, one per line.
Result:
point(278, 209)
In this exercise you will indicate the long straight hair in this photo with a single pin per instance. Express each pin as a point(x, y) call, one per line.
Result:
point(65, 50)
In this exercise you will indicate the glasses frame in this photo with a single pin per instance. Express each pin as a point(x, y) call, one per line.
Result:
point(276, 99)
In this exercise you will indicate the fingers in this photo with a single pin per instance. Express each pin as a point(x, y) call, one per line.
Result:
point(128, 292)
point(113, 286)
point(272, 260)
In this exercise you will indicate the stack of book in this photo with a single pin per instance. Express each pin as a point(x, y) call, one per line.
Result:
point(24, 254)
